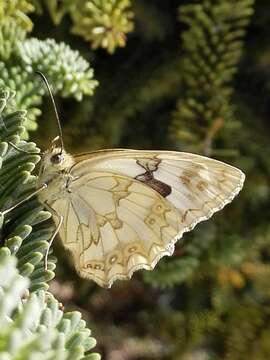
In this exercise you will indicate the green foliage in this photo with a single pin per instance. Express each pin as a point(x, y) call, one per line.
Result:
point(29, 93)
point(16, 11)
point(186, 260)
point(104, 23)
point(22, 232)
point(13, 33)
point(14, 23)
point(213, 46)
point(70, 74)
point(33, 326)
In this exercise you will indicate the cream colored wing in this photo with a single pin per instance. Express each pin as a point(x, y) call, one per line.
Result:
point(115, 225)
point(196, 185)
point(127, 208)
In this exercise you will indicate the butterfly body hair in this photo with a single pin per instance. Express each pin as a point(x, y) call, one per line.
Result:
point(54, 171)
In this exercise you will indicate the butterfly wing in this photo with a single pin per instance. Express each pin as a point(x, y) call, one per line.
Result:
point(127, 208)
point(196, 185)
point(115, 225)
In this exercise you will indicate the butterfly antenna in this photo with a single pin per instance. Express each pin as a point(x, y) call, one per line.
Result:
point(54, 106)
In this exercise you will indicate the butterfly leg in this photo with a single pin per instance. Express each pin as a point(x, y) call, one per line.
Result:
point(3, 213)
point(23, 151)
point(60, 222)
point(43, 186)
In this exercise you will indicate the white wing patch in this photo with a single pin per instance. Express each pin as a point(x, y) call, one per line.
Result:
point(127, 208)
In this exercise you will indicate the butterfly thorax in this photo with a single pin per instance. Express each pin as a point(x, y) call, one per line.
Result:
point(55, 172)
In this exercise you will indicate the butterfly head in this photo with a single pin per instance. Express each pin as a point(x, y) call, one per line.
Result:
point(54, 162)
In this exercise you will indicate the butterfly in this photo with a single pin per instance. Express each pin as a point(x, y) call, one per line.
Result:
point(118, 211)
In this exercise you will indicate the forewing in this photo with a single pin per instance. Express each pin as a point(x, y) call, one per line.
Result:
point(196, 185)
point(115, 225)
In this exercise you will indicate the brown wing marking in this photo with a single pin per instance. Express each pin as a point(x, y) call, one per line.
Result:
point(150, 165)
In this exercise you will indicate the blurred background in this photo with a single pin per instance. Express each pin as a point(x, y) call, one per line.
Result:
point(177, 75)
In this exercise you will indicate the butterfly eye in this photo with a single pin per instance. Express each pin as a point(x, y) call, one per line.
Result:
point(56, 159)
